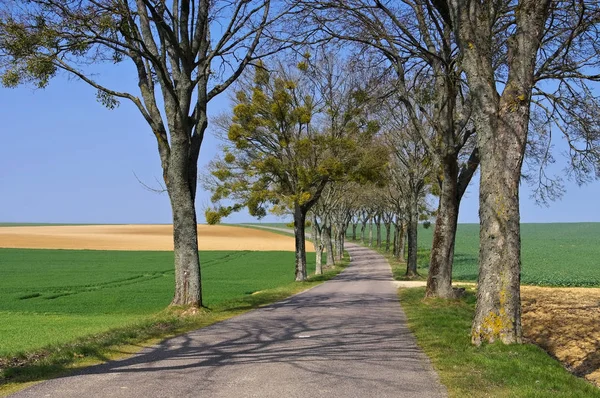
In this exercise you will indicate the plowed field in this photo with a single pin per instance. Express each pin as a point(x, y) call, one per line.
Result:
point(566, 323)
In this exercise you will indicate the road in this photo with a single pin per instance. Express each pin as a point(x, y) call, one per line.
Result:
point(344, 338)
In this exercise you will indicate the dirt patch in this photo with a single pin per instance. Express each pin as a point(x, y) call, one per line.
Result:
point(140, 237)
point(566, 323)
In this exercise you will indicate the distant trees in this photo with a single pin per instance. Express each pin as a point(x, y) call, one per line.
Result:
point(183, 55)
point(424, 76)
point(293, 131)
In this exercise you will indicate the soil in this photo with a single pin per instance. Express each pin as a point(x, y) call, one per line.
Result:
point(141, 237)
point(566, 323)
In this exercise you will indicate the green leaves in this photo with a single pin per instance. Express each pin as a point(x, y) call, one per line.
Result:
point(284, 149)
point(107, 100)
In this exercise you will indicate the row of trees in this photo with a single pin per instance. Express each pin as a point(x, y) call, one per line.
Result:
point(442, 87)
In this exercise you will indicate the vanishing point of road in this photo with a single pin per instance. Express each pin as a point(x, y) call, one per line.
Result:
point(344, 338)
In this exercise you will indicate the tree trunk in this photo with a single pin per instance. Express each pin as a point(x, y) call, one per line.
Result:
point(378, 226)
point(180, 179)
point(401, 241)
point(363, 231)
point(502, 123)
point(371, 232)
point(300, 238)
point(340, 245)
point(354, 231)
point(413, 226)
point(397, 239)
point(439, 280)
point(188, 289)
point(388, 231)
point(327, 240)
point(318, 243)
point(498, 310)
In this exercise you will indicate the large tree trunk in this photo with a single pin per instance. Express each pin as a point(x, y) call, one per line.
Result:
point(413, 227)
point(439, 280)
point(454, 185)
point(300, 238)
point(188, 289)
point(498, 310)
point(180, 178)
point(502, 124)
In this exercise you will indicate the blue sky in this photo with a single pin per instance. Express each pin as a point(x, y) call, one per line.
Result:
point(64, 158)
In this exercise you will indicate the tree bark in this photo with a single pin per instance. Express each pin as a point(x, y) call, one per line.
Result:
point(340, 245)
point(188, 289)
point(401, 241)
point(363, 230)
point(300, 240)
point(502, 123)
point(328, 242)
point(354, 231)
point(439, 280)
point(318, 243)
point(378, 228)
point(388, 231)
point(179, 174)
point(454, 185)
point(413, 227)
point(371, 232)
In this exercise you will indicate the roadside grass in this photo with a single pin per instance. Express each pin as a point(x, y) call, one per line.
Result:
point(91, 306)
point(442, 329)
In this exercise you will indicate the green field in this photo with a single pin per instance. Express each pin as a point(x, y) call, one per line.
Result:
point(50, 297)
point(562, 254)
point(552, 254)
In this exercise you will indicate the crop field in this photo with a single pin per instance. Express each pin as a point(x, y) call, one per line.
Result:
point(565, 254)
point(53, 296)
point(552, 254)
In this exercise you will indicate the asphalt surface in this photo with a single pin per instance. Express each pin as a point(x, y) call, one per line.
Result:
point(344, 338)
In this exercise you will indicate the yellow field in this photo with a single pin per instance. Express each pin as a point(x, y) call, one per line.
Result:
point(141, 237)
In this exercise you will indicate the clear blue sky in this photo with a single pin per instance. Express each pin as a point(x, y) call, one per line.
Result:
point(64, 158)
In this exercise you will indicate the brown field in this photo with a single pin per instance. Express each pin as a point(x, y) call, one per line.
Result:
point(141, 237)
point(566, 323)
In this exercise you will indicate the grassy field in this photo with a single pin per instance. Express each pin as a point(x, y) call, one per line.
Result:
point(552, 254)
point(50, 297)
point(495, 370)
point(565, 254)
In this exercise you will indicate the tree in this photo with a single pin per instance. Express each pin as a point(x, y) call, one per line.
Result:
point(511, 52)
point(410, 172)
point(291, 134)
point(418, 47)
point(184, 55)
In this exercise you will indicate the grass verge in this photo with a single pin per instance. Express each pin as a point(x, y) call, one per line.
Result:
point(20, 371)
point(442, 329)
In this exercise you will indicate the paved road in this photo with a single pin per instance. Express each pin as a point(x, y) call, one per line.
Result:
point(344, 338)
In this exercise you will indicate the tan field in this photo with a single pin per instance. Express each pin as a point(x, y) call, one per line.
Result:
point(566, 323)
point(141, 237)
